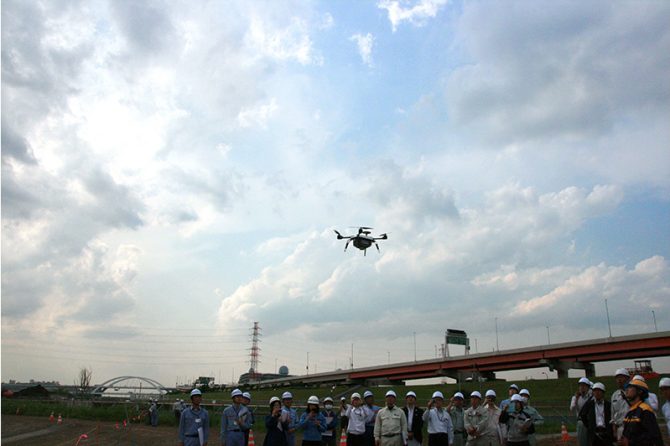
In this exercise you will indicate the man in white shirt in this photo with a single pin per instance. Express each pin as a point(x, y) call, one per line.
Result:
point(440, 429)
point(620, 406)
point(665, 391)
point(578, 400)
point(357, 414)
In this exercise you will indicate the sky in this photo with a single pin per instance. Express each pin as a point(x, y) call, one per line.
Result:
point(173, 171)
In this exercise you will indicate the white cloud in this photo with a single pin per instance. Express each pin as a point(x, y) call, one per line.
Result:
point(292, 42)
point(257, 116)
point(416, 14)
point(364, 44)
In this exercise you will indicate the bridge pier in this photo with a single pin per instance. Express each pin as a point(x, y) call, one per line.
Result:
point(562, 367)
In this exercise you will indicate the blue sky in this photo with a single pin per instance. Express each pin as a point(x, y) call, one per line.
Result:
point(172, 172)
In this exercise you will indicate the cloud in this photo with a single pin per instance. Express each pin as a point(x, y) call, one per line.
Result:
point(416, 14)
point(570, 72)
point(292, 42)
point(257, 116)
point(365, 44)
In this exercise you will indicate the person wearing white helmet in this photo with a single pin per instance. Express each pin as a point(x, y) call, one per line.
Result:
point(234, 419)
point(246, 400)
point(290, 416)
point(476, 420)
point(581, 396)
point(153, 413)
point(619, 403)
point(440, 427)
point(328, 437)
point(390, 423)
point(414, 416)
point(534, 414)
point(176, 410)
point(664, 385)
point(369, 400)
point(312, 423)
point(595, 415)
point(194, 423)
point(505, 404)
point(275, 427)
point(457, 414)
point(491, 436)
point(518, 423)
point(357, 414)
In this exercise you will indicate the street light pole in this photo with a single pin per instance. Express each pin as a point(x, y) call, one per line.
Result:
point(497, 345)
point(609, 326)
point(653, 314)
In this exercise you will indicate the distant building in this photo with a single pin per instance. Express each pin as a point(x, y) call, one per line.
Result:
point(252, 377)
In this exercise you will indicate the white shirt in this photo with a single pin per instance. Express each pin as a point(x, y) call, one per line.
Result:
point(439, 422)
point(620, 407)
point(410, 416)
point(653, 401)
point(666, 414)
point(357, 418)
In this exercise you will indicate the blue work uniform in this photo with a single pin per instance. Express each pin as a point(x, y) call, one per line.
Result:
point(328, 437)
point(190, 422)
point(370, 425)
point(312, 431)
point(292, 417)
point(153, 414)
point(234, 420)
point(252, 419)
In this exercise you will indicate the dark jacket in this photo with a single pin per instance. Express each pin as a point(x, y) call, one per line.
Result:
point(640, 426)
point(417, 422)
point(588, 417)
point(274, 436)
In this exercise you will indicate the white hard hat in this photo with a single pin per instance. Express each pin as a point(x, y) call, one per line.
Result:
point(195, 392)
point(391, 393)
point(665, 382)
point(491, 392)
point(410, 393)
point(438, 394)
point(524, 392)
point(600, 386)
point(517, 397)
point(639, 378)
point(236, 392)
point(622, 372)
point(287, 396)
point(355, 395)
point(327, 399)
point(585, 380)
point(367, 393)
point(313, 400)
point(247, 395)
point(514, 386)
point(475, 394)
point(459, 395)
point(274, 399)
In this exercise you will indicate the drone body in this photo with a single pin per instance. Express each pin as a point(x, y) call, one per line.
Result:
point(363, 240)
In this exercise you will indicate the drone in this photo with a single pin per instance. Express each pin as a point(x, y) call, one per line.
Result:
point(363, 240)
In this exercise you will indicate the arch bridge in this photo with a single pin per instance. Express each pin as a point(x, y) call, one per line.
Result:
point(132, 387)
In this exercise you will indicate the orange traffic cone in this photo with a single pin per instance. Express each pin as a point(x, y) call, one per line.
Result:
point(343, 439)
point(60, 419)
point(564, 433)
point(251, 438)
point(52, 418)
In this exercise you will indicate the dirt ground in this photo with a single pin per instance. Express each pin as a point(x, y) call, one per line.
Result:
point(38, 431)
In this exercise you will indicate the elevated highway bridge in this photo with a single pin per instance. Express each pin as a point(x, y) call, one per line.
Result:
point(557, 357)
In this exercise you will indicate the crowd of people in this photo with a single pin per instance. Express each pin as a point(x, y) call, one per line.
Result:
point(627, 419)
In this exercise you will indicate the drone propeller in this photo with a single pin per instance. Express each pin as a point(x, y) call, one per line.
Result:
point(339, 236)
point(382, 237)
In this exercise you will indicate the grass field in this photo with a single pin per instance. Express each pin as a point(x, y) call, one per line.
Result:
point(550, 397)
